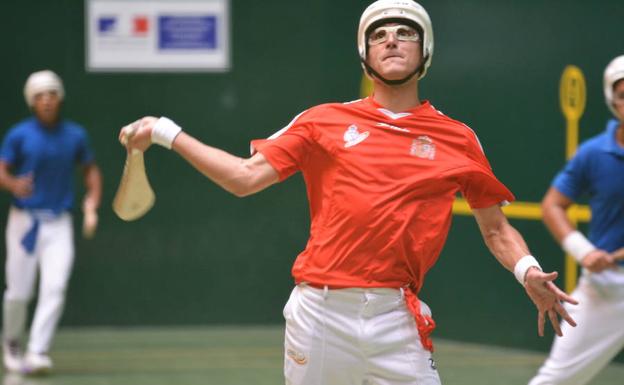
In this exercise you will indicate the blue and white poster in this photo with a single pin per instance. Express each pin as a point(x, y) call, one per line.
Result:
point(157, 35)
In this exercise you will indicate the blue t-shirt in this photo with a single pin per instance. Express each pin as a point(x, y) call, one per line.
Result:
point(597, 171)
point(51, 155)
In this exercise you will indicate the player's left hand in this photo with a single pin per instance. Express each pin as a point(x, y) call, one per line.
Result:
point(89, 221)
point(548, 299)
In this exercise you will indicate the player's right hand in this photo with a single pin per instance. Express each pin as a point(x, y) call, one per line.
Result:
point(598, 260)
point(22, 186)
point(138, 135)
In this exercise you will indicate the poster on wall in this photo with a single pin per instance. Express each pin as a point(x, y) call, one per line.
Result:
point(157, 35)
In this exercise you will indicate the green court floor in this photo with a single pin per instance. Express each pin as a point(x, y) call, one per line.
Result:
point(245, 355)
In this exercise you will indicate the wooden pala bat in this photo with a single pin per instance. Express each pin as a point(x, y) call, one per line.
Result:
point(134, 196)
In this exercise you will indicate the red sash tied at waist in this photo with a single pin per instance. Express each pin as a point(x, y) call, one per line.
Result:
point(424, 323)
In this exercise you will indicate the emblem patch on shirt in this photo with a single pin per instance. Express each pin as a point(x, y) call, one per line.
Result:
point(423, 147)
point(352, 136)
point(298, 357)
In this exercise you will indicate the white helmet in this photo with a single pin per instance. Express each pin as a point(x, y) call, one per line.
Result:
point(42, 81)
point(397, 9)
point(613, 73)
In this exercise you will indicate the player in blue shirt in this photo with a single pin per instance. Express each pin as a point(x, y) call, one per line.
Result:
point(596, 171)
point(37, 163)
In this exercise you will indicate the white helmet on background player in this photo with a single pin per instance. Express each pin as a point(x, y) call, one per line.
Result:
point(42, 81)
point(383, 11)
point(613, 73)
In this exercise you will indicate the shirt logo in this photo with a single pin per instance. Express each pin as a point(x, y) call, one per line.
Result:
point(390, 126)
point(352, 136)
point(299, 358)
point(423, 147)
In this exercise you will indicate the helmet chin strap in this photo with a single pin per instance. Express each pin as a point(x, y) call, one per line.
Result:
point(396, 82)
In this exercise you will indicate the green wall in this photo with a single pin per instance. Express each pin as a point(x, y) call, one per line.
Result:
point(203, 256)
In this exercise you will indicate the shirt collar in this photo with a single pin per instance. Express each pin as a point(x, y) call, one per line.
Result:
point(43, 128)
point(424, 104)
point(611, 144)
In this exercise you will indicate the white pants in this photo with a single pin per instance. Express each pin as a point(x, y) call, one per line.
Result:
point(354, 337)
point(53, 257)
point(584, 350)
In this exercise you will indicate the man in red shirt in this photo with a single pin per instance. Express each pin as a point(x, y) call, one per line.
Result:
point(381, 175)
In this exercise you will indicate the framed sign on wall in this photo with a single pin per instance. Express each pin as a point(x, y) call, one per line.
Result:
point(157, 35)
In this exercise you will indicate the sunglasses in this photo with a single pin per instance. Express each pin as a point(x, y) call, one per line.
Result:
point(401, 32)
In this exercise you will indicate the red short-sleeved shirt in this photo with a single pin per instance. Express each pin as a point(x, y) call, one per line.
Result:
point(381, 187)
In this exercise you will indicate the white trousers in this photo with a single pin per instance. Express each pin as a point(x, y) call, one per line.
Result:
point(354, 337)
point(584, 350)
point(53, 259)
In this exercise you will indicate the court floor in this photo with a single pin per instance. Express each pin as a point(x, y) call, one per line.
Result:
point(232, 355)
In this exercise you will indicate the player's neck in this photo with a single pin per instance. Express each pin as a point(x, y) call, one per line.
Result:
point(619, 134)
point(47, 119)
point(48, 122)
point(397, 98)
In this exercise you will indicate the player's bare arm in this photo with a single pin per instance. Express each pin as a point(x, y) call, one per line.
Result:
point(93, 185)
point(240, 176)
point(20, 187)
point(554, 207)
point(618, 254)
point(509, 247)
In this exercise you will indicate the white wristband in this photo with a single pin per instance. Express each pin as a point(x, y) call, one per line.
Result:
point(577, 245)
point(164, 132)
point(523, 265)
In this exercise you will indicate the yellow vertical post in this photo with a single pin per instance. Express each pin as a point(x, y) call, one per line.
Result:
point(366, 86)
point(572, 93)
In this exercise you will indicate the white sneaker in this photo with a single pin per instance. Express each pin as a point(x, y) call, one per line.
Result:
point(12, 356)
point(36, 364)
